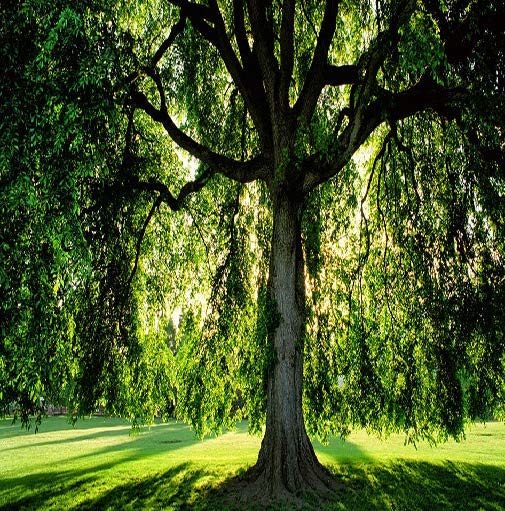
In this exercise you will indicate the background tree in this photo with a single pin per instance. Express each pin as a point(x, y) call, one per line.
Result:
point(337, 172)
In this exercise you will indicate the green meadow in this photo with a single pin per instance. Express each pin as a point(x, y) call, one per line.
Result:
point(99, 464)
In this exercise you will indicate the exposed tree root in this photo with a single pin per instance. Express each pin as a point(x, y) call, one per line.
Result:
point(261, 487)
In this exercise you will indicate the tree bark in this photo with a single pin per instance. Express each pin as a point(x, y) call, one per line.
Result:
point(287, 465)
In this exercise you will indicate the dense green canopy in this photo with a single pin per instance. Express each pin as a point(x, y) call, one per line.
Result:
point(137, 166)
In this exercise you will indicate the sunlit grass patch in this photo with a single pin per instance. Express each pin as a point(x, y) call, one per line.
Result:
point(99, 464)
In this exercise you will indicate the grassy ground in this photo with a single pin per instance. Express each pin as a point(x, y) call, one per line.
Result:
point(99, 465)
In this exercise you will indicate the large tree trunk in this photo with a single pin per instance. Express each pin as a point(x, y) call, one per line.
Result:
point(287, 465)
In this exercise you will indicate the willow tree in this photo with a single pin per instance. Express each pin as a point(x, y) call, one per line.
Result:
point(384, 278)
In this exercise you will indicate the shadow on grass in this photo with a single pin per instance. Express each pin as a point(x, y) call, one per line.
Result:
point(37, 490)
point(174, 489)
point(80, 436)
point(409, 485)
point(88, 430)
point(10, 428)
point(373, 487)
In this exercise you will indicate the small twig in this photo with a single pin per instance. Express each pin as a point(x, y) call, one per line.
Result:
point(202, 237)
point(307, 18)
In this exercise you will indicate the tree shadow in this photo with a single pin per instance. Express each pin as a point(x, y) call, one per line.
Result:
point(412, 486)
point(34, 490)
point(372, 487)
point(45, 486)
point(88, 431)
point(14, 427)
point(368, 485)
point(172, 488)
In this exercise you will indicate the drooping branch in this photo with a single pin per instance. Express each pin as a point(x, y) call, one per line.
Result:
point(486, 153)
point(164, 195)
point(138, 247)
point(306, 103)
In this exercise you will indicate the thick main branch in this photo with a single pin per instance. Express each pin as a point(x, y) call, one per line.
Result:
point(208, 21)
point(240, 32)
point(341, 75)
point(263, 35)
point(238, 171)
point(287, 51)
point(304, 107)
point(425, 95)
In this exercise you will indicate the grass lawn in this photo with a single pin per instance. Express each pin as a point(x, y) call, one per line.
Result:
point(99, 465)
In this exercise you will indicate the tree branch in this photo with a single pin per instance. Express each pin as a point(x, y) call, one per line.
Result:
point(195, 12)
point(264, 45)
point(200, 16)
point(425, 95)
point(164, 194)
point(238, 171)
point(246, 78)
point(341, 75)
point(460, 37)
point(224, 46)
point(287, 51)
point(177, 29)
point(308, 19)
point(240, 32)
point(256, 103)
point(314, 82)
point(365, 117)
point(383, 45)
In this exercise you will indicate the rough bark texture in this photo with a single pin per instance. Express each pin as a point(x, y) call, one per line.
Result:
point(287, 466)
